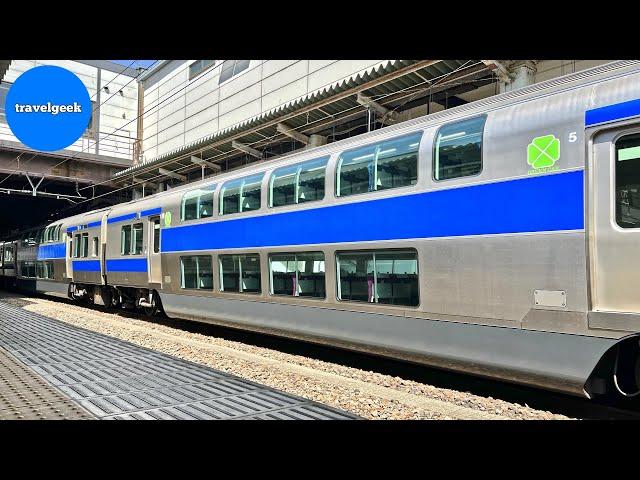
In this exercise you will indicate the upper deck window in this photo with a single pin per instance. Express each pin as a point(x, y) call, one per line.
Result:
point(458, 149)
point(241, 195)
point(389, 164)
point(298, 183)
point(198, 203)
point(628, 181)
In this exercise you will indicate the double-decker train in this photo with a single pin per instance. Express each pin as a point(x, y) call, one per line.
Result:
point(499, 238)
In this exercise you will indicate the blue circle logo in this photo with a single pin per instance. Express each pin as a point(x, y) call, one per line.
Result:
point(48, 108)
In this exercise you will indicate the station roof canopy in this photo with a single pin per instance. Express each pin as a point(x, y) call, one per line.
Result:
point(391, 84)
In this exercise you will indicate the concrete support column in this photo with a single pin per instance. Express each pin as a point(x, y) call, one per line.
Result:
point(521, 74)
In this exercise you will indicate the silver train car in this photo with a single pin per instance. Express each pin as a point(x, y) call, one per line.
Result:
point(499, 238)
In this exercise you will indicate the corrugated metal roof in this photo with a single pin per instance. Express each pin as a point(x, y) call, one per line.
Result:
point(4, 66)
point(323, 104)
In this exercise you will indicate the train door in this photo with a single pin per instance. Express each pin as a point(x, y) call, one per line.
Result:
point(102, 246)
point(69, 255)
point(155, 265)
point(615, 221)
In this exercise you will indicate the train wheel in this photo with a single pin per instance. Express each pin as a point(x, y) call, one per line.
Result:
point(154, 309)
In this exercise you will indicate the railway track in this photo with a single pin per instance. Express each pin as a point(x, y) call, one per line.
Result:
point(440, 383)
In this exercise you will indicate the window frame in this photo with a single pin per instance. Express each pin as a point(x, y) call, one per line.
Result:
point(202, 69)
point(95, 247)
point(295, 259)
point(134, 238)
point(122, 237)
point(373, 252)
point(435, 148)
point(299, 168)
point(233, 70)
point(240, 257)
point(76, 245)
point(376, 146)
point(198, 194)
point(197, 261)
point(621, 138)
point(84, 245)
point(243, 182)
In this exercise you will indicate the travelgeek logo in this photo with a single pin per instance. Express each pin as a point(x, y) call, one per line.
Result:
point(48, 108)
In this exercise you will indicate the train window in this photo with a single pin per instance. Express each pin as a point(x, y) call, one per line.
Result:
point(137, 239)
point(57, 234)
point(241, 195)
point(240, 273)
point(385, 276)
point(94, 247)
point(76, 250)
point(298, 183)
point(156, 235)
point(198, 203)
point(28, 269)
point(389, 164)
point(458, 149)
point(628, 181)
point(125, 240)
point(44, 269)
point(196, 272)
point(8, 254)
point(297, 274)
point(85, 245)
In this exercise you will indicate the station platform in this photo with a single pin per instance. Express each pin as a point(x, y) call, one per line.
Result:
point(50, 369)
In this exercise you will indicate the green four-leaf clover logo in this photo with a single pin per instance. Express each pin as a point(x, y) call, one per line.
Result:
point(543, 151)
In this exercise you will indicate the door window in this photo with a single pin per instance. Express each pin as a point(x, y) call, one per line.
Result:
point(628, 181)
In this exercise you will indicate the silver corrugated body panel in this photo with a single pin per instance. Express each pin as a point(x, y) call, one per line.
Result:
point(551, 360)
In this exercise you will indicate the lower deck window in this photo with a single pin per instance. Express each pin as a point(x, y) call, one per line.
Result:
point(387, 277)
point(628, 182)
point(28, 269)
point(240, 273)
point(44, 270)
point(297, 274)
point(8, 255)
point(196, 272)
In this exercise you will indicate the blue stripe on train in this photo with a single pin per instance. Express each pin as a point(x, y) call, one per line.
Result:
point(113, 265)
point(148, 213)
point(122, 218)
point(86, 265)
point(532, 204)
point(127, 265)
point(617, 111)
point(51, 251)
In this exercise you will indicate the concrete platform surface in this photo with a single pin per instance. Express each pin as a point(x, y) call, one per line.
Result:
point(49, 369)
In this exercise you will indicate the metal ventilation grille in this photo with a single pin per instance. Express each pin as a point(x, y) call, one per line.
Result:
point(114, 379)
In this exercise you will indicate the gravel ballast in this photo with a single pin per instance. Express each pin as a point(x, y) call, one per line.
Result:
point(368, 394)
